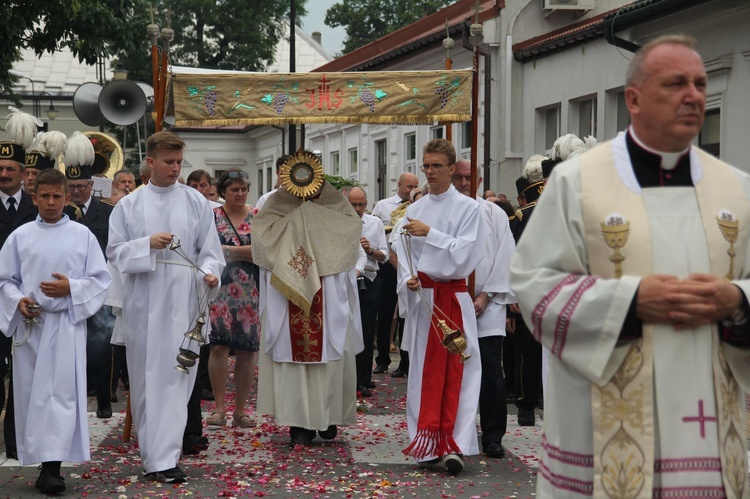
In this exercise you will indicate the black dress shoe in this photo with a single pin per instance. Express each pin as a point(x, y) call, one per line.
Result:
point(113, 398)
point(370, 385)
point(50, 482)
point(90, 393)
point(398, 373)
point(364, 391)
point(495, 450)
point(379, 369)
point(301, 436)
point(526, 418)
point(11, 454)
point(104, 412)
point(330, 433)
point(207, 394)
point(193, 443)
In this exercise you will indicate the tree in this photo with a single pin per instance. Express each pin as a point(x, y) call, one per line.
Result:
point(89, 28)
point(238, 35)
point(367, 20)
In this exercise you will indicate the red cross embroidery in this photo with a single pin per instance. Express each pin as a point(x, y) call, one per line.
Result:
point(700, 418)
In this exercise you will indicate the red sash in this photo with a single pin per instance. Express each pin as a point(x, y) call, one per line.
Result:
point(306, 332)
point(441, 377)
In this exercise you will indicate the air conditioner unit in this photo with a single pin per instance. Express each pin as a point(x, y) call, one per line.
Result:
point(568, 4)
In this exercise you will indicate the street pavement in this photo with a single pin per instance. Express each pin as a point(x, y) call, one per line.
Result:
point(363, 461)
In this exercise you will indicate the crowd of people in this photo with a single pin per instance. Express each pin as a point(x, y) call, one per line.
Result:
point(622, 311)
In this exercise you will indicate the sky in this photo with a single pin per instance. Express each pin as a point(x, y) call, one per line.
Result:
point(332, 38)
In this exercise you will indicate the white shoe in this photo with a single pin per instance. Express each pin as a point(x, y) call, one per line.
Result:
point(454, 463)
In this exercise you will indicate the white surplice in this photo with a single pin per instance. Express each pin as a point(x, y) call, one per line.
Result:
point(553, 247)
point(311, 395)
point(49, 367)
point(493, 271)
point(450, 251)
point(160, 302)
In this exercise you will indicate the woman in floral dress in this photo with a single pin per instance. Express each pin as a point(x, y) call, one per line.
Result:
point(234, 314)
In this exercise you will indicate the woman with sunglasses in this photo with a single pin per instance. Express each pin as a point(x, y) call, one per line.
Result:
point(234, 314)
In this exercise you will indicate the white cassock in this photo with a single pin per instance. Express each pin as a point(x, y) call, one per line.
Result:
point(311, 395)
point(553, 250)
point(49, 367)
point(450, 251)
point(159, 304)
point(493, 272)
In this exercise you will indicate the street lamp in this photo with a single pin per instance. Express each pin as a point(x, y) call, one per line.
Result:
point(51, 110)
point(36, 107)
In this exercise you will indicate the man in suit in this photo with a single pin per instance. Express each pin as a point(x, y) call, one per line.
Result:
point(98, 348)
point(16, 209)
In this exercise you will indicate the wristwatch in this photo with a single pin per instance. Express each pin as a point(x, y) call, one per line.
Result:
point(490, 294)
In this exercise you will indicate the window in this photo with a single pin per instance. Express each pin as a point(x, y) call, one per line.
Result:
point(335, 165)
point(381, 152)
point(410, 141)
point(466, 135)
point(353, 161)
point(551, 126)
point(269, 179)
point(587, 118)
point(437, 132)
point(710, 137)
point(260, 181)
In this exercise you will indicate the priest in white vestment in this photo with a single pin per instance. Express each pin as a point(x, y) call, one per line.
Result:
point(444, 246)
point(309, 256)
point(49, 358)
point(634, 274)
point(160, 298)
point(492, 295)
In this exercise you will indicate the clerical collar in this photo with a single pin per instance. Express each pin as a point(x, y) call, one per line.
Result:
point(647, 166)
point(668, 159)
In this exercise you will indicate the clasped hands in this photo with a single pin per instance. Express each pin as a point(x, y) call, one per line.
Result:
point(696, 300)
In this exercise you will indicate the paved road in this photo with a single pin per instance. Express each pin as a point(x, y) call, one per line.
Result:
point(364, 461)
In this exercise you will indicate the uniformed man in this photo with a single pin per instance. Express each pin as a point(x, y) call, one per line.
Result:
point(95, 216)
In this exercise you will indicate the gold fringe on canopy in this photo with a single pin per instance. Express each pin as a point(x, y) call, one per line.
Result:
point(397, 97)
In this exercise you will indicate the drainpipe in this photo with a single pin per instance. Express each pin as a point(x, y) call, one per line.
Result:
point(487, 103)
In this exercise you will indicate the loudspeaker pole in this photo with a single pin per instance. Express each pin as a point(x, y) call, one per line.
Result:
point(292, 68)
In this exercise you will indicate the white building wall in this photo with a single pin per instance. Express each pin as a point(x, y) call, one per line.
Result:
point(597, 69)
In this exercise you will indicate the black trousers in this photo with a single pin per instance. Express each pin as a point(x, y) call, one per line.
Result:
point(528, 367)
point(493, 409)
point(99, 354)
point(204, 381)
point(9, 423)
point(368, 308)
point(194, 425)
point(386, 308)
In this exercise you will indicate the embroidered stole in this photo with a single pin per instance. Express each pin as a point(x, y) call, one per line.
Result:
point(618, 242)
point(306, 330)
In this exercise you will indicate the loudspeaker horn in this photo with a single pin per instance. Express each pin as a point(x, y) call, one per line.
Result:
point(122, 102)
point(86, 104)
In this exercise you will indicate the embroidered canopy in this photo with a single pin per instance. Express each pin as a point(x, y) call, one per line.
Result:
point(220, 99)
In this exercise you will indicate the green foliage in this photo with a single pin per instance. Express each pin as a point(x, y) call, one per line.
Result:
point(367, 20)
point(339, 182)
point(89, 28)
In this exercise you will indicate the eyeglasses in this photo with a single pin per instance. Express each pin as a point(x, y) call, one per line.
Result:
point(81, 187)
point(433, 166)
point(237, 174)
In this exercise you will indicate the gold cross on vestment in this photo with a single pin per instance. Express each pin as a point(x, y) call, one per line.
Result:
point(306, 343)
